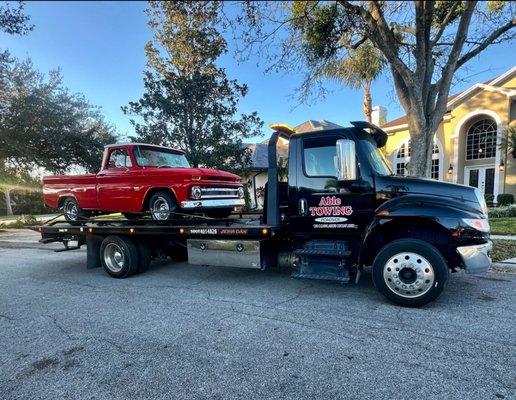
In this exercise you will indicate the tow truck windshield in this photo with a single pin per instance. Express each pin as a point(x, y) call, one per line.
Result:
point(376, 157)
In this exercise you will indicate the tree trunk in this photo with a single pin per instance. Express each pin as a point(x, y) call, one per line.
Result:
point(7, 195)
point(368, 102)
point(421, 138)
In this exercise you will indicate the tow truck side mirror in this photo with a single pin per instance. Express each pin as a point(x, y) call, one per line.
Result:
point(346, 160)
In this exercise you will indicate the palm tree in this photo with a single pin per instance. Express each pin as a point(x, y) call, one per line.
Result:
point(358, 70)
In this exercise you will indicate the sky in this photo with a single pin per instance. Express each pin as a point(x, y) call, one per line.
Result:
point(99, 47)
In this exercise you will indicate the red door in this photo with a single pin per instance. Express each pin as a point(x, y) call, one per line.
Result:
point(115, 182)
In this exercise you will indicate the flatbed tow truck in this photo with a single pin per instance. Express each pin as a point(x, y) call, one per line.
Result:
point(341, 209)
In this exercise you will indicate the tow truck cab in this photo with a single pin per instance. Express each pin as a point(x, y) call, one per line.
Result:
point(341, 194)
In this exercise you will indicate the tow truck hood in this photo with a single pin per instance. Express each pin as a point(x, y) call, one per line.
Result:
point(394, 186)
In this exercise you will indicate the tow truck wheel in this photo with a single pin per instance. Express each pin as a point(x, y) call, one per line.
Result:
point(162, 206)
point(410, 272)
point(119, 256)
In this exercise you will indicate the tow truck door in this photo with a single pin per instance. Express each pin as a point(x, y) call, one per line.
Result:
point(321, 204)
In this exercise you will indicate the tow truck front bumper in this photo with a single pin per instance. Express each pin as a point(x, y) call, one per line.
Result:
point(212, 203)
point(476, 257)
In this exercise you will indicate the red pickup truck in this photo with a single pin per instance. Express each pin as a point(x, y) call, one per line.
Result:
point(137, 178)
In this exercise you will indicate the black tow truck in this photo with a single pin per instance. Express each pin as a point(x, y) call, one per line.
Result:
point(340, 210)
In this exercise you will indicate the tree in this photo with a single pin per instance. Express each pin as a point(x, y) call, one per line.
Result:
point(13, 20)
point(424, 43)
point(189, 102)
point(44, 127)
point(358, 70)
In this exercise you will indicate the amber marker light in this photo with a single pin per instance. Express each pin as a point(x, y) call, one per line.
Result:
point(265, 231)
point(90, 230)
point(383, 213)
point(181, 231)
point(131, 230)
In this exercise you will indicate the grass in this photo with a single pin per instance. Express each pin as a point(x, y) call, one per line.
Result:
point(503, 250)
point(503, 226)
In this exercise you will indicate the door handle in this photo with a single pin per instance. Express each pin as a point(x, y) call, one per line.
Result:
point(303, 208)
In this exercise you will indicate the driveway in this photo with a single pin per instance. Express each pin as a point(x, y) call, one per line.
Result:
point(180, 331)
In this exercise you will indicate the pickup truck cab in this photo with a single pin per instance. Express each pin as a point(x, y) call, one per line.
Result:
point(136, 178)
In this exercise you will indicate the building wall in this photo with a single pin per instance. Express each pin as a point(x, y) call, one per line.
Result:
point(452, 136)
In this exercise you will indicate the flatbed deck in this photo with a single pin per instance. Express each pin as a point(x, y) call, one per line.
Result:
point(57, 231)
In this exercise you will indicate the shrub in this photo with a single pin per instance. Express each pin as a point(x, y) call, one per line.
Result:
point(489, 198)
point(505, 199)
point(503, 212)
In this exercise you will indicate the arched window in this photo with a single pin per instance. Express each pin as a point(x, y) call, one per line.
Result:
point(403, 157)
point(481, 140)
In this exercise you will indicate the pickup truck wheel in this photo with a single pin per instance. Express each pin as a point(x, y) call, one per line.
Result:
point(71, 210)
point(162, 206)
point(410, 272)
point(119, 256)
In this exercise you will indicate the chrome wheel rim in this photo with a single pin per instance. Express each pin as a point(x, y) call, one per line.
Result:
point(114, 257)
point(408, 275)
point(71, 211)
point(160, 209)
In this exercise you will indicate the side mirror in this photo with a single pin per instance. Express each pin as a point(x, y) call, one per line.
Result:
point(346, 160)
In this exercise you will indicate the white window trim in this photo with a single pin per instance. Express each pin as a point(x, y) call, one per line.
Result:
point(440, 156)
point(456, 136)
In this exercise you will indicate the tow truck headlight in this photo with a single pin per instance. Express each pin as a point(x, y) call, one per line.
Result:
point(241, 192)
point(196, 192)
point(480, 224)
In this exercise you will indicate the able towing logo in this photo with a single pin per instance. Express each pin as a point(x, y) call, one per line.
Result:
point(330, 206)
point(330, 213)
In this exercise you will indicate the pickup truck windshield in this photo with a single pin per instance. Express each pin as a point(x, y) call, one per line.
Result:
point(154, 157)
point(376, 158)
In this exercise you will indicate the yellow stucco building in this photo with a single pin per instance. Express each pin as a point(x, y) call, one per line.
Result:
point(467, 142)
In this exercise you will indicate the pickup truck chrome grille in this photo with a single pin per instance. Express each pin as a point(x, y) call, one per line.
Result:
point(216, 193)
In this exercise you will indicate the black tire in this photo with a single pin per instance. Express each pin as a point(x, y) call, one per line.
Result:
point(128, 254)
point(410, 272)
point(71, 210)
point(144, 253)
point(165, 199)
point(219, 213)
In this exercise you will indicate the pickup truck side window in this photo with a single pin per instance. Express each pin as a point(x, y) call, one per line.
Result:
point(119, 158)
point(320, 157)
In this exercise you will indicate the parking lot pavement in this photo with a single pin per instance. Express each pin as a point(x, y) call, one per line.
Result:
point(182, 331)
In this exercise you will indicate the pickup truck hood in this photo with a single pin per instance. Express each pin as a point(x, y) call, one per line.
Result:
point(204, 174)
point(394, 186)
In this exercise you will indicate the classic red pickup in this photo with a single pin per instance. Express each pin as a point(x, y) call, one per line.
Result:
point(137, 178)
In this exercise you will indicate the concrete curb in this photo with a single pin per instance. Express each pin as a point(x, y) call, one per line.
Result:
point(504, 267)
point(503, 237)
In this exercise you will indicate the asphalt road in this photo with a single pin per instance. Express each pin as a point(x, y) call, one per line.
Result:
point(196, 332)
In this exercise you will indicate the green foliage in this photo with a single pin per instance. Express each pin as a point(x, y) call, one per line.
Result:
point(503, 212)
point(503, 226)
point(43, 124)
point(189, 102)
point(505, 199)
point(13, 20)
point(361, 66)
point(489, 198)
point(22, 221)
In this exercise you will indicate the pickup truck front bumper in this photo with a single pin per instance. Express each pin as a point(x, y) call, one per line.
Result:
point(212, 203)
point(476, 257)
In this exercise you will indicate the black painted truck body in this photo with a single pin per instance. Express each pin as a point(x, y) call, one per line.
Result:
point(339, 210)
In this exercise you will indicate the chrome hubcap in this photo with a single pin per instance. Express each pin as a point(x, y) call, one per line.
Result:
point(160, 209)
point(114, 257)
point(71, 211)
point(408, 274)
